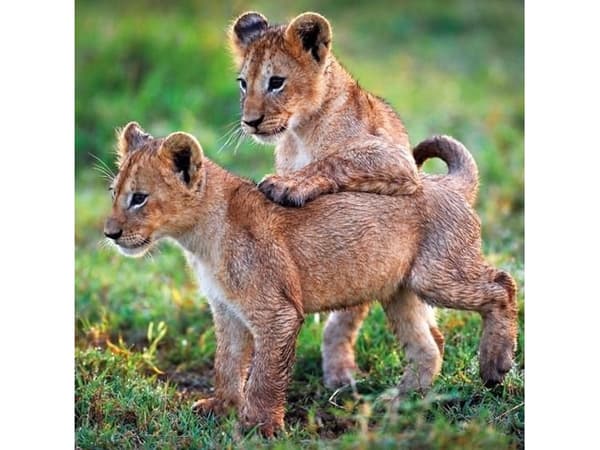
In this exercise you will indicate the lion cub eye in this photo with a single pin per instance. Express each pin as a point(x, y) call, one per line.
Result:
point(276, 84)
point(138, 199)
point(242, 84)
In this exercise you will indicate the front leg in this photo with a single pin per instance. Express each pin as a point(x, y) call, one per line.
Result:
point(372, 166)
point(232, 359)
point(274, 354)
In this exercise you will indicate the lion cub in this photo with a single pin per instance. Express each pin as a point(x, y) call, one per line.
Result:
point(255, 261)
point(331, 135)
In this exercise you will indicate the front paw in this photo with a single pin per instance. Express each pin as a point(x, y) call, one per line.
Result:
point(214, 405)
point(287, 191)
point(267, 424)
point(338, 376)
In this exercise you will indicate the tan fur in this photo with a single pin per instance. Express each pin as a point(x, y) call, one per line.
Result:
point(333, 136)
point(256, 262)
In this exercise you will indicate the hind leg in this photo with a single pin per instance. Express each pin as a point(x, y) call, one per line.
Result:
point(499, 337)
point(488, 291)
point(413, 323)
point(339, 337)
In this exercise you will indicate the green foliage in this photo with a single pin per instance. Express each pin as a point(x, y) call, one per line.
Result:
point(448, 67)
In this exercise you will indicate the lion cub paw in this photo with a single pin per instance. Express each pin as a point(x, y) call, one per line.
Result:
point(337, 377)
point(268, 425)
point(212, 405)
point(288, 191)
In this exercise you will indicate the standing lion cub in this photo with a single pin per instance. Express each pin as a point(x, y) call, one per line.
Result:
point(256, 260)
point(331, 135)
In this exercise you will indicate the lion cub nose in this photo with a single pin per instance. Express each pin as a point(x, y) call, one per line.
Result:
point(115, 235)
point(255, 122)
point(112, 230)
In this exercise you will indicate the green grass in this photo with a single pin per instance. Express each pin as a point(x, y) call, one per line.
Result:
point(452, 67)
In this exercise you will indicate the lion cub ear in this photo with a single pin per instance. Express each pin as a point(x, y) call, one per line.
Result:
point(131, 137)
point(312, 33)
point(245, 29)
point(184, 153)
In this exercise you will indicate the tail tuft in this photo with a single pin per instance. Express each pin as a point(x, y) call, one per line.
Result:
point(463, 175)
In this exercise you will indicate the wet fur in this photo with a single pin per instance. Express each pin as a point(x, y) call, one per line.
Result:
point(263, 267)
point(338, 137)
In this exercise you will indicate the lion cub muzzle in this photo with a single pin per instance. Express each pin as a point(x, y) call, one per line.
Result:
point(112, 229)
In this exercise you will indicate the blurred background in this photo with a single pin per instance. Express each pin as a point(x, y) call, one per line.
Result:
point(453, 67)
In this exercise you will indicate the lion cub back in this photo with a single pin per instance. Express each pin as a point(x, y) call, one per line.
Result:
point(351, 244)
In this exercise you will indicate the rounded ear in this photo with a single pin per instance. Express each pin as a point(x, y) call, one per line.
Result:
point(310, 32)
point(245, 29)
point(131, 137)
point(185, 154)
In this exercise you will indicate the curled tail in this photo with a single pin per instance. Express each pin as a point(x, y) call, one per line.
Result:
point(462, 176)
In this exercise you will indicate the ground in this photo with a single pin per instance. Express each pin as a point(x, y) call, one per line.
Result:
point(145, 343)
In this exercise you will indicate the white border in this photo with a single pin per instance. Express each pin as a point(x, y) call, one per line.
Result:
point(562, 172)
point(562, 225)
point(37, 224)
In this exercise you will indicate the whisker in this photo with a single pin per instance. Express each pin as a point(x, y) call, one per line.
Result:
point(104, 244)
point(154, 251)
point(102, 168)
point(103, 164)
point(231, 125)
point(229, 128)
point(108, 176)
point(148, 256)
point(241, 137)
point(230, 135)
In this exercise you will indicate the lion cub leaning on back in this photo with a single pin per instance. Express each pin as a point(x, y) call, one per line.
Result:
point(331, 135)
point(256, 260)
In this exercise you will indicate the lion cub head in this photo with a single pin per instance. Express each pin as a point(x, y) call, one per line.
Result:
point(281, 71)
point(158, 182)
